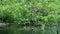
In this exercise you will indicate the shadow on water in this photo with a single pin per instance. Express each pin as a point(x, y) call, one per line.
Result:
point(29, 30)
point(6, 31)
point(21, 30)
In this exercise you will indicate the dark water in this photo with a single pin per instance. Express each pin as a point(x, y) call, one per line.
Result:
point(29, 30)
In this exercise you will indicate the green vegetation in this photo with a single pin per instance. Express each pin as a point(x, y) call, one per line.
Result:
point(30, 12)
point(27, 11)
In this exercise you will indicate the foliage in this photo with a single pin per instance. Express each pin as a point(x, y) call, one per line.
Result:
point(28, 11)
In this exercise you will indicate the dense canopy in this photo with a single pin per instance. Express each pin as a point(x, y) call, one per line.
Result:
point(30, 11)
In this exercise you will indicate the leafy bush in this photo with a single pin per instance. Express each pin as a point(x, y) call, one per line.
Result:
point(29, 11)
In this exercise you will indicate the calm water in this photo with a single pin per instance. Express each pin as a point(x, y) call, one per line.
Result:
point(28, 30)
